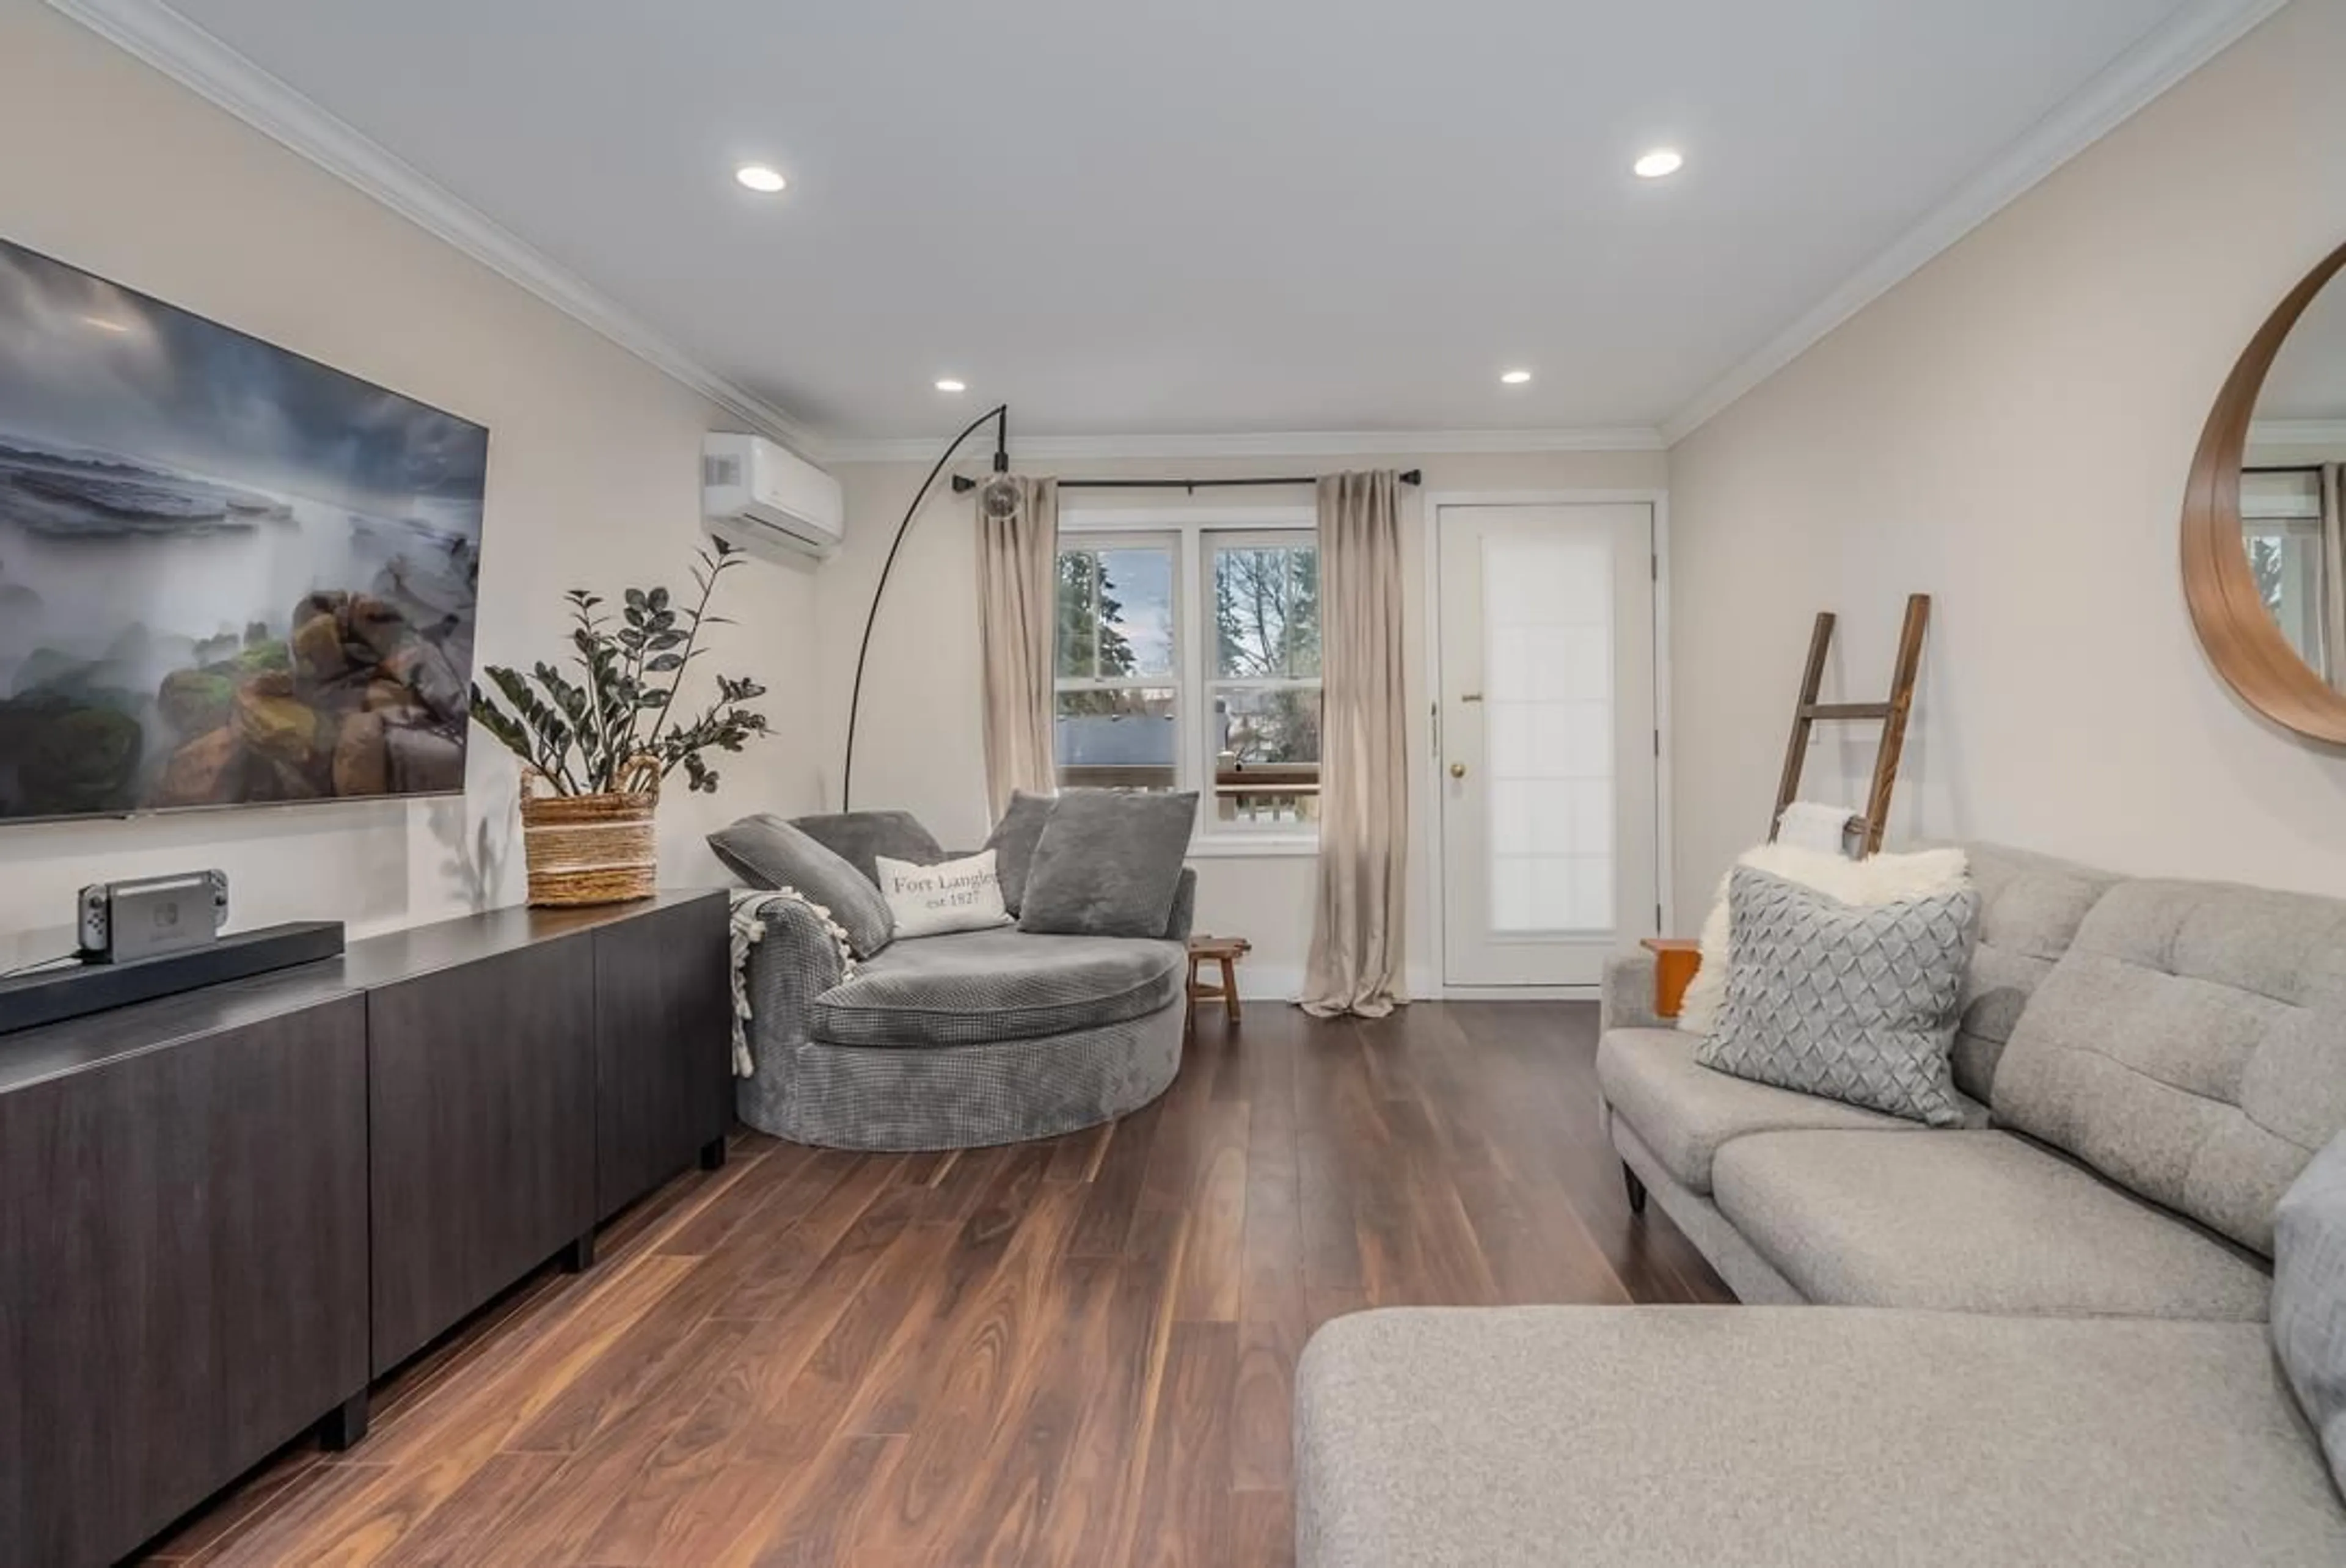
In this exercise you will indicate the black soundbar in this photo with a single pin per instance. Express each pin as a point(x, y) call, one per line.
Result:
point(56, 994)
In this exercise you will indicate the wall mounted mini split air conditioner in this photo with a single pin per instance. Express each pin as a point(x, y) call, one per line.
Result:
point(753, 487)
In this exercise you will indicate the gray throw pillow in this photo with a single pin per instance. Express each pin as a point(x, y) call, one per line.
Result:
point(2309, 1297)
point(1853, 1003)
point(1014, 840)
point(765, 851)
point(860, 838)
point(1109, 863)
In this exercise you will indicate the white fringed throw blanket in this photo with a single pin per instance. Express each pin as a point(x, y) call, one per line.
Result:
point(749, 930)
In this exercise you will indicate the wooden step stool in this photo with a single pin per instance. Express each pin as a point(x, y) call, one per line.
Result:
point(1226, 952)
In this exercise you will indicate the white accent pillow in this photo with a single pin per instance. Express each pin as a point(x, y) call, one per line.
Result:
point(952, 895)
point(1878, 880)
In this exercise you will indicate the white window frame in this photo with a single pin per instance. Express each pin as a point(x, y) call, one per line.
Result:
point(1192, 646)
point(1176, 680)
point(1213, 682)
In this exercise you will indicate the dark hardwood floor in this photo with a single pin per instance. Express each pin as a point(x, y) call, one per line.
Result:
point(1078, 1352)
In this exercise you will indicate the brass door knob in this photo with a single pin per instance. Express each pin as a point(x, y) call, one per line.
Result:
point(1458, 770)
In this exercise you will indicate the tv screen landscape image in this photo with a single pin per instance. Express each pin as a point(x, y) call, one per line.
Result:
point(229, 575)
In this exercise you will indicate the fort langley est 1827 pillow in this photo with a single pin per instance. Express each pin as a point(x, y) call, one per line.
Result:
point(952, 895)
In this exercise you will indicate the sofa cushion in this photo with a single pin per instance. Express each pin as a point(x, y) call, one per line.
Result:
point(1000, 984)
point(944, 896)
point(1683, 1111)
point(1654, 1437)
point(2030, 908)
point(765, 851)
point(860, 838)
point(1875, 880)
point(2191, 1045)
point(1852, 1002)
point(1970, 1222)
point(1014, 840)
point(2308, 1307)
point(1183, 913)
point(1108, 864)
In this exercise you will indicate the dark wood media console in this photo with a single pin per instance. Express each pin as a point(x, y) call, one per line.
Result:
point(223, 1214)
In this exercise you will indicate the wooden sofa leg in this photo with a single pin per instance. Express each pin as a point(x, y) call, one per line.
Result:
point(1636, 1188)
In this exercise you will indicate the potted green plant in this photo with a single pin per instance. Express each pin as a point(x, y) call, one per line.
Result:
point(595, 749)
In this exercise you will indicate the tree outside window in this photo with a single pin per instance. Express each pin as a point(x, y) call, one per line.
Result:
point(1264, 698)
point(1119, 696)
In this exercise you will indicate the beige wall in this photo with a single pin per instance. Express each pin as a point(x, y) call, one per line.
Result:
point(919, 743)
point(593, 468)
point(2010, 430)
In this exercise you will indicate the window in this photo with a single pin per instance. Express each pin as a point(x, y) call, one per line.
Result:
point(1189, 659)
point(1117, 724)
point(2281, 526)
point(1264, 702)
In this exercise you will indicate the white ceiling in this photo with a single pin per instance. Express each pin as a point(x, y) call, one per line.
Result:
point(1186, 216)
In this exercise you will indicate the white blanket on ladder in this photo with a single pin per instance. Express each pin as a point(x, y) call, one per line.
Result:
point(1813, 825)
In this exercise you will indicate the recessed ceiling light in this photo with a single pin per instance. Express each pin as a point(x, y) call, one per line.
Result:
point(1660, 163)
point(1517, 378)
point(759, 179)
point(949, 385)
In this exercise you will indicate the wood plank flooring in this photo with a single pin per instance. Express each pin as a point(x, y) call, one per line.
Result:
point(1077, 1352)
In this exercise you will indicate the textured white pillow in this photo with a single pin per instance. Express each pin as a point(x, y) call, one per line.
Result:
point(1879, 880)
point(952, 895)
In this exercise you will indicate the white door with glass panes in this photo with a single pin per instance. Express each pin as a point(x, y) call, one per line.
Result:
point(1188, 657)
point(1545, 740)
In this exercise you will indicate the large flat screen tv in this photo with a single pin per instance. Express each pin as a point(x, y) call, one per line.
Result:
point(229, 575)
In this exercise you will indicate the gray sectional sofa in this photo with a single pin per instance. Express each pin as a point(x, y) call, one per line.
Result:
point(2040, 1336)
point(953, 1042)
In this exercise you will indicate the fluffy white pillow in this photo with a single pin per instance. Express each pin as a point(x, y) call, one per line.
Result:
point(1879, 880)
point(952, 895)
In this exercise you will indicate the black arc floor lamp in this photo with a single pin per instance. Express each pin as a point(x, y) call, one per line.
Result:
point(998, 497)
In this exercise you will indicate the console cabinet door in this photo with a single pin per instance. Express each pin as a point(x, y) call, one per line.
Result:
point(482, 1137)
point(182, 1274)
point(663, 1045)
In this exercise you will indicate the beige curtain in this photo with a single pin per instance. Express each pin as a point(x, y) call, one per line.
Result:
point(1357, 940)
point(1016, 581)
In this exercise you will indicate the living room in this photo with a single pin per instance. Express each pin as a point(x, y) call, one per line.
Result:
point(1121, 880)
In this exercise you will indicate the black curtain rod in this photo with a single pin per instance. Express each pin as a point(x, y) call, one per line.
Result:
point(963, 485)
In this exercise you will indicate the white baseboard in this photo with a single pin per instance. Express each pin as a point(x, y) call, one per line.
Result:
point(1512, 994)
point(1269, 983)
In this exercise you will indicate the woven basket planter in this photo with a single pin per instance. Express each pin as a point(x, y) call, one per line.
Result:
point(591, 849)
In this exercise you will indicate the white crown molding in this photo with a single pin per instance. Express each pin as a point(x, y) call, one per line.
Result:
point(1273, 444)
point(163, 38)
point(2297, 432)
point(197, 60)
point(2186, 40)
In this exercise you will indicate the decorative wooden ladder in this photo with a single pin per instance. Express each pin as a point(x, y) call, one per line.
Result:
point(1678, 958)
point(1890, 715)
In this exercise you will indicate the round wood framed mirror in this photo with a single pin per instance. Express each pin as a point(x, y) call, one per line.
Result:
point(2264, 544)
